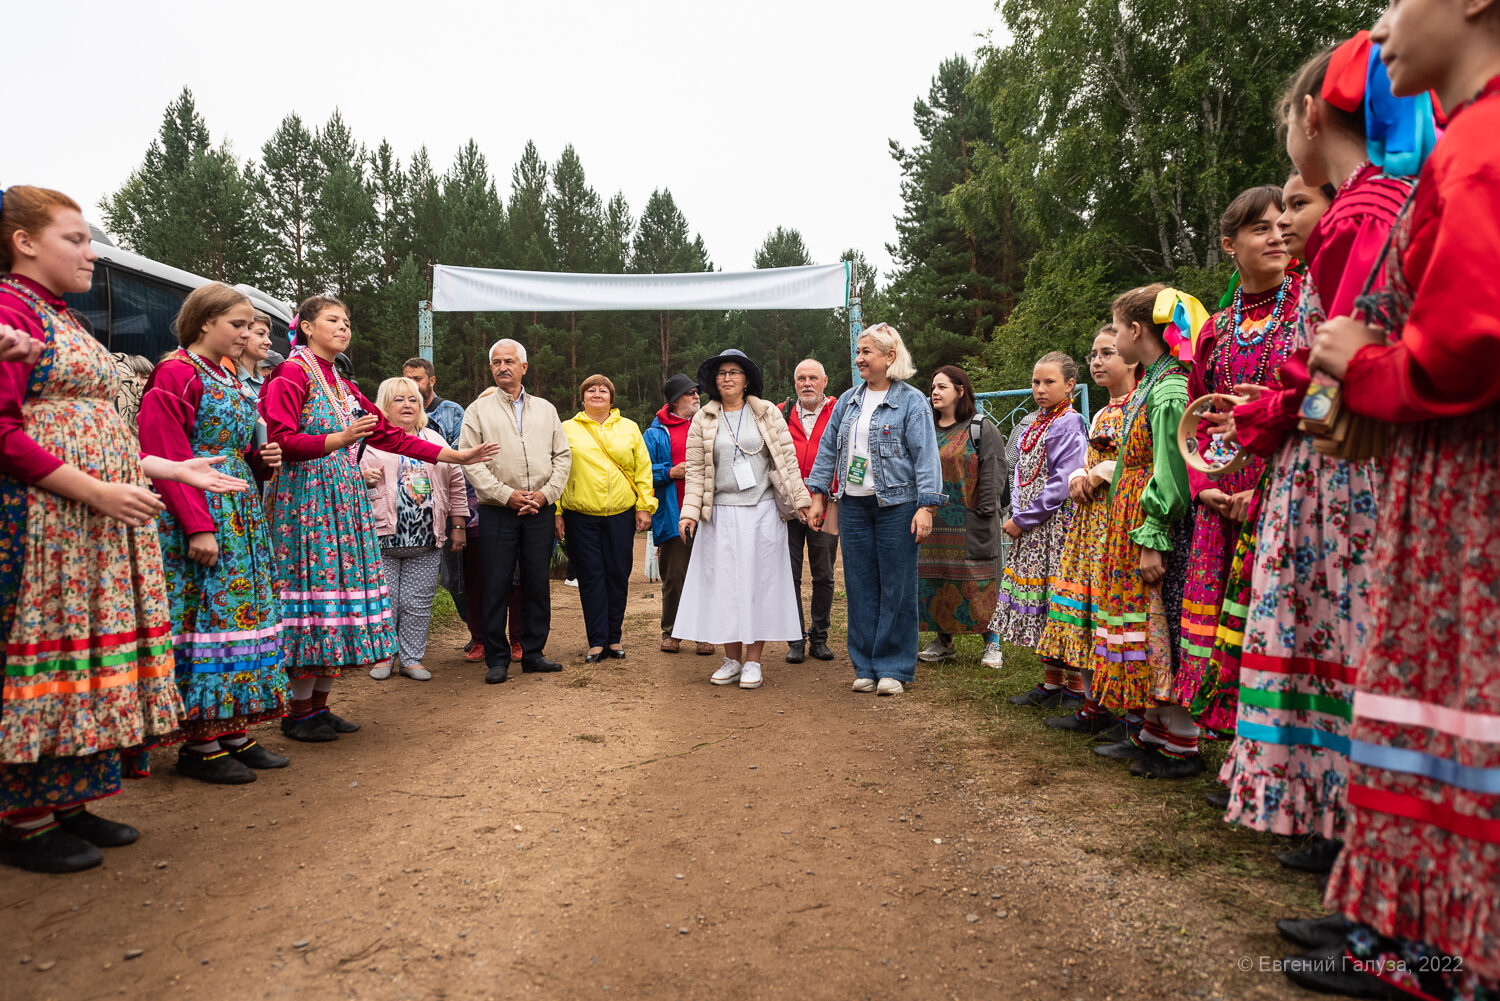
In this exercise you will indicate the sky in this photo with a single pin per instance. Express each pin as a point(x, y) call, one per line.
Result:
point(753, 115)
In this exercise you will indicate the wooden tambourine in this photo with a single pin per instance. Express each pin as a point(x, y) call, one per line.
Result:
point(1187, 436)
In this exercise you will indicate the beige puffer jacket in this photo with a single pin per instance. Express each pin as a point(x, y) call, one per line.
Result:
point(698, 495)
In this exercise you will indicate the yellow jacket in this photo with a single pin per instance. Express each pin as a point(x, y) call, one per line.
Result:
point(595, 484)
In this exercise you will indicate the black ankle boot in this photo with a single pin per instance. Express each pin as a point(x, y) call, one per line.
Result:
point(1315, 933)
point(54, 850)
point(1317, 856)
point(217, 767)
point(97, 830)
point(254, 755)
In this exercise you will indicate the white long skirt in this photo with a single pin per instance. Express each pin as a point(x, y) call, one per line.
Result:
point(739, 586)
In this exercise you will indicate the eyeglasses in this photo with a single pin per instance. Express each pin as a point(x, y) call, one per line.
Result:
point(1103, 354)
point(728, 373)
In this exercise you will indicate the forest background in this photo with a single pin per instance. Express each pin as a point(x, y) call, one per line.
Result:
point(1090, 152)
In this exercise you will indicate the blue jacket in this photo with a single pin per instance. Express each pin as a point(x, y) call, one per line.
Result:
point(659, 447)
point(904, 462)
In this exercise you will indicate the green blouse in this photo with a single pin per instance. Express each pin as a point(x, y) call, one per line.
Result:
point(1166, 498)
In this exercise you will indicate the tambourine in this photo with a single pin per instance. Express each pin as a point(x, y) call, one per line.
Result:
point(1220, 460)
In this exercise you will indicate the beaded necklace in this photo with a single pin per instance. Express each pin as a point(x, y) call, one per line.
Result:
point(1036, 433)
point(1137, 404)
point(338, 401)
point(1276, 324)
point(1276, 318)
point(1349, 181)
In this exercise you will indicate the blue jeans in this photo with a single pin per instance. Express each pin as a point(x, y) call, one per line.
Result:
point(880, 581)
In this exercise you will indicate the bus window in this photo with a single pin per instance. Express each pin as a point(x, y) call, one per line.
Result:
point(93, 305)
point(141, 315)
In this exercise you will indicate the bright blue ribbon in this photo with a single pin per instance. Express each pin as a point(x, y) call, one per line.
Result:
point(1400, 132)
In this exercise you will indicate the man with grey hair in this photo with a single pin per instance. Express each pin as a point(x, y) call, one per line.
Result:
point(807, 417)
point(517, 491)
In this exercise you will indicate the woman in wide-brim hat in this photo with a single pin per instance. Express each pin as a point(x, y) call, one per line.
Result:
point(743, 481)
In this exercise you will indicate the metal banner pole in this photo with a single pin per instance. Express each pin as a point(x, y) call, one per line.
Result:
point(856, 321)
point(424, 329)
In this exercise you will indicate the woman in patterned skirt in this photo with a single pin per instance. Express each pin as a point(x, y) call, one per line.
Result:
point(215, 550)
point(83, 614)
point(1072, 610)
point(1145, 552)
point(334, 602)
point(1421, 858)
point(956, 565)
point(1052, 446)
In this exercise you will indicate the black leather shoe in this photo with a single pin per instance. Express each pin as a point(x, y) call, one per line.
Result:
point(1074, 724)
point(591, 658)
point(796, 653)
point(54, 851)
point(98, 831)
point(312, 730)
point(498, 674)
point(1165, 766)
point(1315, 933)
point(1038, 698)
point(1125, 750)
point(254, 755)
point(218, 768)
point(339, 724)
point(540, 665)
point(1329, 970)
point(614, 654)
point(819, 650)
point(1217, 798)
point(1317, 856)
point(1112, 734)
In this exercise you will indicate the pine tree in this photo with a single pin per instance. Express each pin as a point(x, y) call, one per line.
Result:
point(392, 209)
point(471, 219)
point(661, 246)
point(291, 178)
point(577, 219)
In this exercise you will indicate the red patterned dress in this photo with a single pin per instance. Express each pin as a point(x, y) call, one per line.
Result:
point(1243, 344)
point(83, 608)
point(1422, 855)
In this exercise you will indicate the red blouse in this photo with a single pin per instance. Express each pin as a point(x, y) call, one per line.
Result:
point(1342, 250)
point(281, 400)
point(1444, 364)
point(20, 455)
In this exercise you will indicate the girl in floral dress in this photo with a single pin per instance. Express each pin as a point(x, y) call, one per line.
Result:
point(956, 565)
point(1052, 446)
point(215, 550)
point(83, 615)
point(1421, 858)
point(1072, 610)
point(1145, 552)
point(335, 606)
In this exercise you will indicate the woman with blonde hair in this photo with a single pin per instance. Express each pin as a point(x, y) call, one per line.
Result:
point(881, 447)
point(608, 500)
point(743, 482)
point(419, 505)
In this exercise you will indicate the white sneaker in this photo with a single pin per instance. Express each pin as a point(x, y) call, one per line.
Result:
point(889, 686)
point(935, 651)
point(727, 672)
point(571, 582)
point(864, 684)
point(418, 673)
point(750, 675)
point(381, 671)
point(992, 655)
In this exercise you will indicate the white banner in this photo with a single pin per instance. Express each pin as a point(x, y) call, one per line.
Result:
point(483, 290)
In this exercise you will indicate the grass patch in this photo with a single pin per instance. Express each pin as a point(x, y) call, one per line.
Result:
point(444, 612)
point(1162, 826)
point(591, 738)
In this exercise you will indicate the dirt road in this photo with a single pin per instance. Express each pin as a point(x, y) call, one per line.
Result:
point(629, 831)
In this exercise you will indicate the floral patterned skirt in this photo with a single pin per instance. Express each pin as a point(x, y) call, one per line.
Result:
point(225, 619)
point(1421, 858)
point(336, 612)
point(1306, 629)
point(1021, 607)
point(1073, 601)
point(953, 594)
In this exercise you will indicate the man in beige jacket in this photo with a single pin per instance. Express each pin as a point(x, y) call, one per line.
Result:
point(517, 491)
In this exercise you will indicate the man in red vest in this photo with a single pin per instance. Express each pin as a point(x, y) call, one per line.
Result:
point(807, 418)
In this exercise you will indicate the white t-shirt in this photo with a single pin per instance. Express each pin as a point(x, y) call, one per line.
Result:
point(860, 447)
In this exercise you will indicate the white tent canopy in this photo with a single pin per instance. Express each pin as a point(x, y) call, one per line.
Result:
point(483, 289)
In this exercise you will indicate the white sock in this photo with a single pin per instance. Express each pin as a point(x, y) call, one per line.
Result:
point(29, 825)
point(209, 747)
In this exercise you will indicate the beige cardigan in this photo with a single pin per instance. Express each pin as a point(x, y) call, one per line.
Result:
point(539, 459)
point(698, 496)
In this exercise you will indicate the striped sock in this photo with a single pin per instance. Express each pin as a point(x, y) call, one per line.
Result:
point(1074, 682)
point(1052, 675)
point(300, 709)
point(1153, 733)
point(1091, 710)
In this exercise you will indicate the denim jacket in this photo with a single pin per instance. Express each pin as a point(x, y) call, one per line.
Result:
point(904, 463)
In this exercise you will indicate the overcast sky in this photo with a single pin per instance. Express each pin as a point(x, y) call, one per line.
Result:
point(753, 114)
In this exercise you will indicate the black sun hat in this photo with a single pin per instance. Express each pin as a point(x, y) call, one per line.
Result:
point(676, 386)
point(755, 383)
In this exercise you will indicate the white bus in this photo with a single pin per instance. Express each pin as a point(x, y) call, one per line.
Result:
point(134, 299)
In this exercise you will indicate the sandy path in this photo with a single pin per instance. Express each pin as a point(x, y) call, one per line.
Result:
point(624, 831)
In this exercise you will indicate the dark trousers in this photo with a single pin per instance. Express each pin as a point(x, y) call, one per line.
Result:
point(600, 551)
point(507, 541)
point(822, 552)
point(672, 560)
